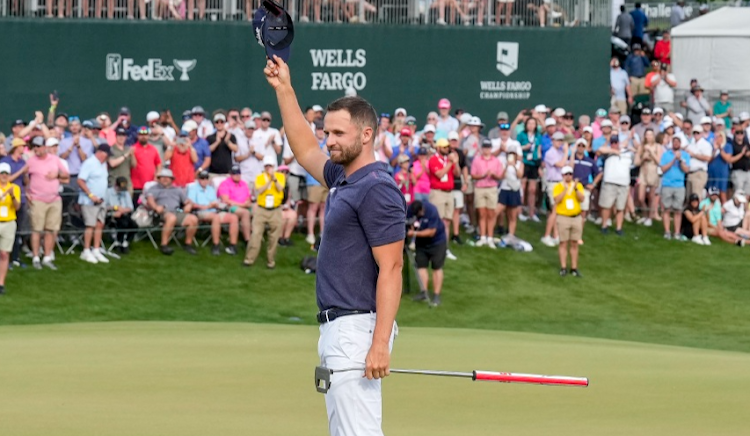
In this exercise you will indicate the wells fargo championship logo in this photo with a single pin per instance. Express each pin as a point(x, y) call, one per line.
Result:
point(507, 57)
point(326, 60)
point(154, 70)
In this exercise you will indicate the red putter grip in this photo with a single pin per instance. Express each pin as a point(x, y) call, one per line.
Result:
point(508, 377)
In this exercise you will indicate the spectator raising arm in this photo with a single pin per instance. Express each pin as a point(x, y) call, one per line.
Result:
point(301, 138)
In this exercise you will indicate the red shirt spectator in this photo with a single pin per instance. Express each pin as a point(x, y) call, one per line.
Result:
point(182, 163)
point(437, 162)
point(147, 165)
point(663, 49)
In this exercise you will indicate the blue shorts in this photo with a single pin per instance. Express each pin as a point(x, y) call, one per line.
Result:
point(509, 198)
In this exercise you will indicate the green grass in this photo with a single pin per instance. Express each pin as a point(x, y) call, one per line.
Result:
point(196, 379)
point(644, 290)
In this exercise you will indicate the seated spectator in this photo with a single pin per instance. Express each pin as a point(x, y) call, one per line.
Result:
point(10, 202)
point(236, 194)
point(713, 207)
point(119, 204)
point(206, 204)
point(182, 159)
point(269, 188)
point(674, 164)
point(735, 219)
point(92, 182)
point(288, 212)
point(172, 205)
point(695, 222)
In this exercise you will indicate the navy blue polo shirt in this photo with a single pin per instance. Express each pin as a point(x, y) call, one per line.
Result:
point(430, 220)
point(363, 210)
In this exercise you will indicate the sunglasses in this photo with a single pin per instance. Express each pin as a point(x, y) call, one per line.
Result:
point(268, 120)
point(245, 116)
point(568, 117)
point(385, 115)
point(219, 122)
point(739, 132)
point(505, 126)
point(198, 115)
point(624, 122)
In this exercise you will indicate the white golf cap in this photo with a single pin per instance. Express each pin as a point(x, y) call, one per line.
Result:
point(220, 116)
point(706, 120)
point(558, 136)
point(667, 125)
point(677, 115)
point(697, 129)
point(189, 126)
point(658, 110)
point(744, 116)
point(739, 195)
point(453, 135)
point(152, 116)
point(51, 142)
point(550, 122)
point(475, 121)
point(513, 148)
point(165, 172)
point(317, 108)
point(269, 160)
point(249, 124)
point(717, 120)
point(606, 123)
point(541, 108)
point(400, 111)
point(567, 169)
point(428, 128)
point(668, 119)
point(559, 112)
point(4, 168)
point(580, 141)
point(588, 129)
point(464, 118)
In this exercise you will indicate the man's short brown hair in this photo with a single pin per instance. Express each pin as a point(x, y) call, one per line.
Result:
point(360, 110)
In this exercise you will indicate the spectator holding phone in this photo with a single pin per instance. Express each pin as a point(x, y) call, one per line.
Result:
point(509, 201)
point(568, 195)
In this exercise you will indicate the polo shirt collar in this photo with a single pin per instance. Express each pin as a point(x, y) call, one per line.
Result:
point(362, 172)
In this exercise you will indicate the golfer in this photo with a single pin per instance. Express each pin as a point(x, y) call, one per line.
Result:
point(358, 282)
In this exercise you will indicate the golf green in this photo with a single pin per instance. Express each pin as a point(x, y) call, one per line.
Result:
point(183, 379)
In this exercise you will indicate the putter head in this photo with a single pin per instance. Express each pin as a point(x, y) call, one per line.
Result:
point(322, 379)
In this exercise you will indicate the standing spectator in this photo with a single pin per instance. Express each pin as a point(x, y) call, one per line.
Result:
point(624, 26)
point(173, 207)
point(92, 182)
point(405, 178)
point(718, 167)
point(430, 246)
point(234, 125)
point(555, 159)
point(384, 140)
point(147, 161)
point(486, 170)
point(269, 188)
point(119, 203)
point(222, 144)
point(678, 13)
point(421, 174)
point(695, 222)
point(740, 160)
point(122, 159)
point(202, 196)
point(268, 137)
point(403, 148)
point(697, 105)
point(700, 152)
point(445, 122)
point(723, 109)
point(288, 213)
point(182, 158)
point(10, 202)
point(472, 143)
point(585, 172)
point(663, 49)
point(635, 65)
point(567, 196)
point(550, 127)
point(615, 183)
point(645, 124)
point(236, 194)
point(461, 184)
point(426, 138)
point(648, 158)
point(46, 172)
point(502, 118)
point(531, 145)
point(509, 199)
point(124, 120)
point(599, 117)
point(75, 150)
point(604, 139)
point(249, 157)
point(204, 128)
point(156, 135)
point(443, 167)
point(640, 23)
point(316, 193)
point(675, 164)
point(201, 146)
point(16, 127)
point(18, 170)
point(619, 86)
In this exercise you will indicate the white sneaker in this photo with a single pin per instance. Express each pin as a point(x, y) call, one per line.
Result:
point(698, 240)
point(598, 221)
point(491, 243)
point(556, 241)
point(440, 22)
point(641, 220)
point(88, 256)
point(99, 256)
point(310, 239)
point(706, 241)
point(609, 222)
point(450, 255)
point(523, 217)
point(628, 218)
point(648, 222)
point(481, 242)
point(535, 218)
point(548, 241)
point(667, 236)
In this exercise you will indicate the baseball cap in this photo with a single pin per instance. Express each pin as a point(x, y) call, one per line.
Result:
point(658, 110)
point(486, 143)
point(588, 129)
point(105, 148)
point(744, 116)
point(465, 118)
point(669, 124)
point(124, 110)
point(87, 124)
point(614, 138)
point(475, 121)
point(567, 169)
point(274, 29)
point(502, 115)
point(405, 131)
point(697, 129)
point(74, 119)
point(17, 142)
point(694, 197)
point(236, 168)
point(678, 116)
point(18, 122)
point(428, 128)
point(442, 142)
point(601, 113)
point(38, 141)
point(197, 110)
point(558, 136)
point(152, 116)
point(400, 111)
point(220, 116)
point(646, 111)
point(706, 120)
point(541, 108)
point(4, 168)
point(423, 151)
point(735, 120)
point(189, 126)
point(453, 135)
point(513, 148)
point(636, 46)
point(268, 160)
point(143, 130)
point(559, 112)
point(624, 119)
point(606, 123)
point(580, 141)
point(316, 108)
point(186, 115)
point(739, 195)
point(550, 122)
point(724, 92)
point(410, 120)
point(283, 168)
point(50, 142)
point(165, 172)
point(614, 110)
point(403, 158)
point(95, 124)
point(249, 124)
point(444, 103)
point(203, 174)
point(713, 191)
point(121, 131)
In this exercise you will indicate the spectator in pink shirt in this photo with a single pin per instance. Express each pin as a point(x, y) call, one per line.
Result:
point(486, 170)
point(236, 193)
point(419, 170)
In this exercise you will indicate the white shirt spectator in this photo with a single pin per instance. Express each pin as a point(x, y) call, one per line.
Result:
point(251, 166)
point(294, 166)
point(169, 132)
point(498, 144)
point(733, 214)
point(206, 129)
point(702, 146)
point(617, 168)
point(267, 139)
point(447, 125)
point(663, 92)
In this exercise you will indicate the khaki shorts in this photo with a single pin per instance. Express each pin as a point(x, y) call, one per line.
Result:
point(93, 214)
point(613, 195)
point(443, 201)
point(46, 216)
point(485, 198)
point(696, 182)
point(294, 190)
point(458, 199)
point(316, 194)
point(672, 198)
point(549, 189)
point(569, 228)
point(7, 235)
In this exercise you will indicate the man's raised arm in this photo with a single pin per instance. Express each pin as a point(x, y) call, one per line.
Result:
point(301, 138)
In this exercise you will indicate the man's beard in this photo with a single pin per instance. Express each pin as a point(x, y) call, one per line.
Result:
point(347, 155)
point(143, 141)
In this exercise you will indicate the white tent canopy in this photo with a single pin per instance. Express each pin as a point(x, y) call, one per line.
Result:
point(714, 49)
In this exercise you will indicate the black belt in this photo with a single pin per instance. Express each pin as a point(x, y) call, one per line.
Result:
point(270, 208)
point(329, 315)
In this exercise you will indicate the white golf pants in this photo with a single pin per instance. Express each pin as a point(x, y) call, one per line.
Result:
point(354, 404)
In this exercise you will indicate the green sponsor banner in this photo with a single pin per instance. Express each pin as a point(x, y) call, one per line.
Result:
point(99, 66)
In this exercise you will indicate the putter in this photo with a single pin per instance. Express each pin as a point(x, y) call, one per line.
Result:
point(323, 377)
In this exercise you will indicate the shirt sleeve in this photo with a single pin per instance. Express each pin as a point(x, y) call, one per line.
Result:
point(382, 214)
point(686, 158)
point(433, 218)
point(85, 171)
point(191, 193)
point(557, 189)
point(282, 180)
point(332, 172)
point(222, 189)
